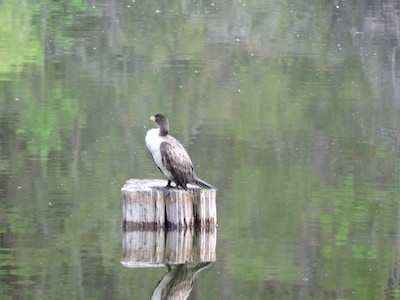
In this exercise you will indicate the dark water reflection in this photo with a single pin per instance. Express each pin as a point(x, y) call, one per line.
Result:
point(290, 109)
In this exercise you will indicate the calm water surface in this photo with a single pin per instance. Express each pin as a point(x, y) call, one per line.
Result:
point(290, 109)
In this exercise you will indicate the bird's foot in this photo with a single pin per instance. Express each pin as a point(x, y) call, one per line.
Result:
point(169, 186)
point(166, 190)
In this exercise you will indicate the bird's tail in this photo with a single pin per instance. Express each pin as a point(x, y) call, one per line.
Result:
point(204, 184)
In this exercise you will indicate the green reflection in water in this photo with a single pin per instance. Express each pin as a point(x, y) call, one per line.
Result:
point(18, 44)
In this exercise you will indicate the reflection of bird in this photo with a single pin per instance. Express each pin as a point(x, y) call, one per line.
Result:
point(177, 283)
point(170, 156)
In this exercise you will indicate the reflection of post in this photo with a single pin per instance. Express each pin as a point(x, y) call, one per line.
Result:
point(147, 204)
point(177, 283)
point(394, 278)
point(160, 247)
point(143, 248)
point(190, 245)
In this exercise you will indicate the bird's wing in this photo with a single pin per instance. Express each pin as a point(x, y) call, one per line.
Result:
point(177, 161)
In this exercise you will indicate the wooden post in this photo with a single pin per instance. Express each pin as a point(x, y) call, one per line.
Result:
point(147, 204)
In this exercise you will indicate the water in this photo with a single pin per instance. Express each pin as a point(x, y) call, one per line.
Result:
point(290, 109)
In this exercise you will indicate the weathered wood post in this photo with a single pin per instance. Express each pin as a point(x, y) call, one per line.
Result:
point(147, 204)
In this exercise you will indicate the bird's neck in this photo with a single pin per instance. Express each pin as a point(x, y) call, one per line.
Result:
point(163, 131)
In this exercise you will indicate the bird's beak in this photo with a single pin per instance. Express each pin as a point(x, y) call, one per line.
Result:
point(152, 118)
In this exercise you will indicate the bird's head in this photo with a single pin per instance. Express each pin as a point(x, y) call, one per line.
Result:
point(162, 123)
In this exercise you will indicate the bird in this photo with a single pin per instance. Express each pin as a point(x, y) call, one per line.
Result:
point(170, 156)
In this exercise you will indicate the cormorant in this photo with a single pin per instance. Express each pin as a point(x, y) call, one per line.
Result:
point(170, 156)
